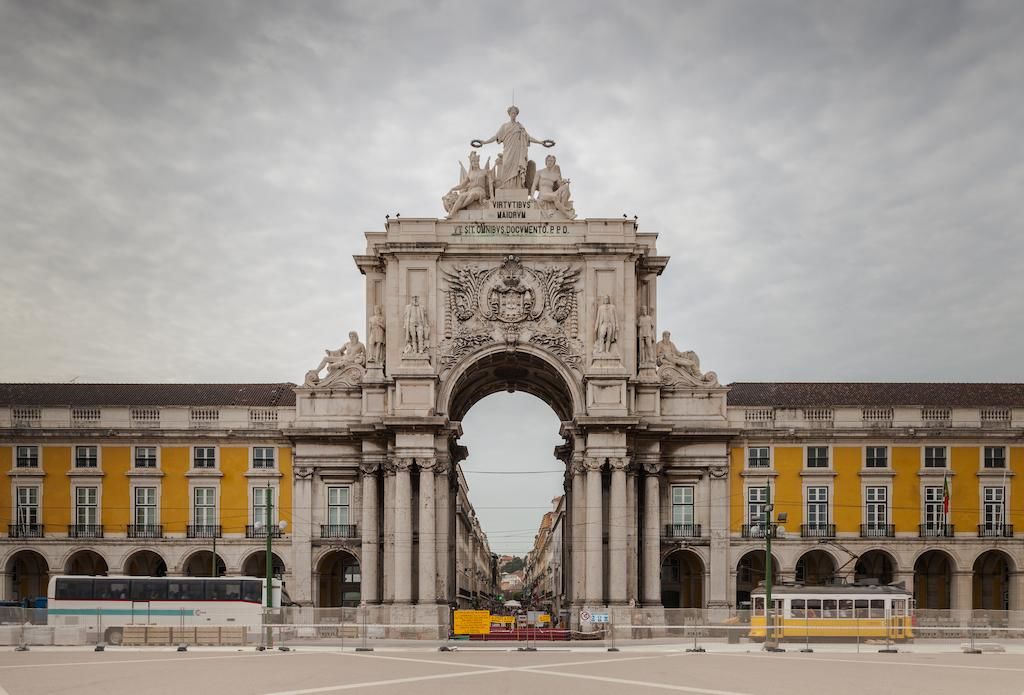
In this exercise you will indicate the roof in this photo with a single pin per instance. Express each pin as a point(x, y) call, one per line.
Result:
point(253, 395)
point(828, 589)
point(878, 394)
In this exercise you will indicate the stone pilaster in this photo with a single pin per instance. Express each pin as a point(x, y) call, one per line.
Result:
point(579, 520)
point(617, 522)
point(652, 535)
point(369, 471)
point(631, 535)
point(595, 523)
point(301, 587)
point(442, 522)
point(427, 587)
point(388, 563)
point(403, 530)
point(718, 518)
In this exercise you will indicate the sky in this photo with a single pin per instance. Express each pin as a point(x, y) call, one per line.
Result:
point(839, 184)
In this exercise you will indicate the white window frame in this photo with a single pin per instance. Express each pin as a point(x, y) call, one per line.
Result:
point(77, 490)
point(156, 457)
point(807, 458)
point(216, 458)
point(39, 457)
point(99, 457)
point(682, 506)
point(759, 503)
point(193, 492)
point(16, 504)
point(155, 506)
point(876, 504)
point(332, 505)
point(253, 459)
point(262, 518)
point(888, 457)
point(985, 457)
point(813, 491)
point(750, 450)
point(945, 457)
point(933, 507)
point(994, 505)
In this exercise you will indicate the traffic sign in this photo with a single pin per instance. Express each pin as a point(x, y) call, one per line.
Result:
point(599, 618)
point(584, 616)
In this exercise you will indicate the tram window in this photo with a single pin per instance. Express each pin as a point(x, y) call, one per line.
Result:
point(149, 590)
point(828, 608)
point(252, 591)
point(814, 608)
point(759, 604)
point(899, 606)
point(861, 607)
point(74, 589)
point(845, 608)
point(224, 591)
point(797, 607)
point(113, 589)
point(878, 608)
point(185, 590)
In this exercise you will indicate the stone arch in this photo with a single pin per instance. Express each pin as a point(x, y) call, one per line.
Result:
point(145, 563)
point(875, 564)
point(682, 580)
point(749, 573)
point(28, 575)
point(991, 585)
point(255, 564)
point(495, 368)
point(815, 568)
point(933, 580)
point(85, 561)
point(200, 564)
point(338, 579)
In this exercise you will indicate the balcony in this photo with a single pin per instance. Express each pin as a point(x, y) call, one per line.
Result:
point(261, 531)
point(203, 531)
point(817, 530)
point(935, 530)
point(85, 531)
point(339, 531)
point(682, 531)
point(145, 531)
point(753, 531)
point(995, 530)
point(877, 530)
point(25, 530)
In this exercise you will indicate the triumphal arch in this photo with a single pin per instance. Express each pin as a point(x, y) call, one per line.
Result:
point(511, 290)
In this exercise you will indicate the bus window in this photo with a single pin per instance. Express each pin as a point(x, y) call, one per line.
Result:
point(878, 608)
point(797, 607)
point(814, 608)
point(113, 589)
point(252, 591)
point(149, 590)
point(828, 608)
point(861, 607)
point(185, 590)
point(224, 591)
point(73, 589)
point(845, 608)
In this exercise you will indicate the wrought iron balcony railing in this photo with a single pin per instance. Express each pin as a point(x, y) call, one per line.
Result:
point(818, 530)
point(85, 531)
point(339, 531)
point(252, 531)
point(203, 531)
point(145, 531)
point(682, 531)
point(935, 530)
point(25, 530)
point(995, 530)
point(877, 530)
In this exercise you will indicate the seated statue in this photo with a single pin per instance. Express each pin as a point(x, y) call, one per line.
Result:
point(352, 353)
point(686, 362)
point(552, 190)
point(475, 187)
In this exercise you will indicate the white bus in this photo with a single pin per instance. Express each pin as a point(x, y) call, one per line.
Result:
point(107, 604)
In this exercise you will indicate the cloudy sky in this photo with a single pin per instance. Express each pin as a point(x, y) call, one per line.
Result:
point(839, 184)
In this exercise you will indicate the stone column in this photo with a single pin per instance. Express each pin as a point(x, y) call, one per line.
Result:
point(403, 531)
point(388, 583)
point(442, 523)
point(717, 596)
point(369, 533)
point(962, 592)
point(595, 554)
point(579, 520)
point(617, 521)
point(301, 588)
point(631, 535)
point(428, 533)
point(652, 535)
point(1016, 599)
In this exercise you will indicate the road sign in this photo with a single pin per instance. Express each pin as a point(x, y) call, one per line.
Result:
point(599, 618)
point(584, 616)
point(472, 622)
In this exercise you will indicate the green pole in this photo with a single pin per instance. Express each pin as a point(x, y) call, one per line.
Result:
point(270, 565)
point(768, 643)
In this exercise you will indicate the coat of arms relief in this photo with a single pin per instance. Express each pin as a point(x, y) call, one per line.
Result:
point(511, 304)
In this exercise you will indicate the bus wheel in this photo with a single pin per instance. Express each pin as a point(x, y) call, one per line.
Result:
point(114, 635)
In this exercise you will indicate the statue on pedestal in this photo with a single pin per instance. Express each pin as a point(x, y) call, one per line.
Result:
point(376, 338)
point(514, 169)
point(552, 190)
point(606, 327)
point(475, 187)
point(342, 364)
point(677, 367)
point(417, 330)
point(645, 334)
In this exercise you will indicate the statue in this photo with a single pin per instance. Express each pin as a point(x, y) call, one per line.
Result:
point(645, 333)
point(606, 327)
point(552, 190)
point(417, 330)
point(513, 172)
point(475, 186)
point(686, 364)
point(376, 339)
point(351, 354)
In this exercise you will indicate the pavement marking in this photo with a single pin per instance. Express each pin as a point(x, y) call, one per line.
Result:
point(641, 684)
point(441, 662)
point(393, 681)
point(147, 661)
point(878, 662)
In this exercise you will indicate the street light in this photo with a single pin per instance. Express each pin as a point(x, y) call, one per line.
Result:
point(770, 529)
point(268, 527)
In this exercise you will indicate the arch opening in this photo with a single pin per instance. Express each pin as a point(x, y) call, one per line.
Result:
point(200, 564)
point(750, 571)
point(933, 579)
point(991, 581)
point(338, 580)
point(86, 562)
point(29, 575)
point(145, 563)
point(875, 565)
point(815, 568)
point(256, 565)
point(682, 580)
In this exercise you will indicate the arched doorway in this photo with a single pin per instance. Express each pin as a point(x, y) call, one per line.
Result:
point(256, 565)
point(933, 578)
point(339, 579)
point(199, 564)
point(815, 568)
point(145, 563)
point(86, 562)
point(877, 565)
point(29, 575)
point(682, 580)
point(750, 573)
point(992, 581)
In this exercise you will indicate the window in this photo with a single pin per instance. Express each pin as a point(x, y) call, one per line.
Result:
point(337, 506)
point(27, 506)
point(145, 506)
point(876, 508)
point(817, 506)
point(204, 508)
point(757, 505)
point(86, 457)
point(204, 457)
point(995, 457)
point(934, 507)
point(994, 509)
point(261, 498)
point(758, 457)
point(186, 590)
point(74, 589)
point(113, 589)
point(230, 590)
point(817, 457)
point(149, 590)
point(935, 457)
point(682, 505)
point(877, 457)
point(27, 457)
point(86, 509)
point(263, 457)
point(145, 457)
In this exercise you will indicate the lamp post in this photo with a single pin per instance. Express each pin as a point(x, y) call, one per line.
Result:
point(770, 645)
point(268, 526)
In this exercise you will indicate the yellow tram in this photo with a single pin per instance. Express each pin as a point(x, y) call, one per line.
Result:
point(837, 611)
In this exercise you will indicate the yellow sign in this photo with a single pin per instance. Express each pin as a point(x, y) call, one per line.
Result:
point(472, 622)
point(545, 618)
point(503, 620)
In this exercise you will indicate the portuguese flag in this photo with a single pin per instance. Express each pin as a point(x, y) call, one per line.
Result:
point(945, 496)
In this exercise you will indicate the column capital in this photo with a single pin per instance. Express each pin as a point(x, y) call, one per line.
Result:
point(442, 466)
point(652, 467)
point(402, 463)
point(576, 466)
point(618, 463)
point(369, 466)
point(593, 463)
point(426, 464)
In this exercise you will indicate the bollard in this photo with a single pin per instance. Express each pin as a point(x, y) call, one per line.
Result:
point(365, 647)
